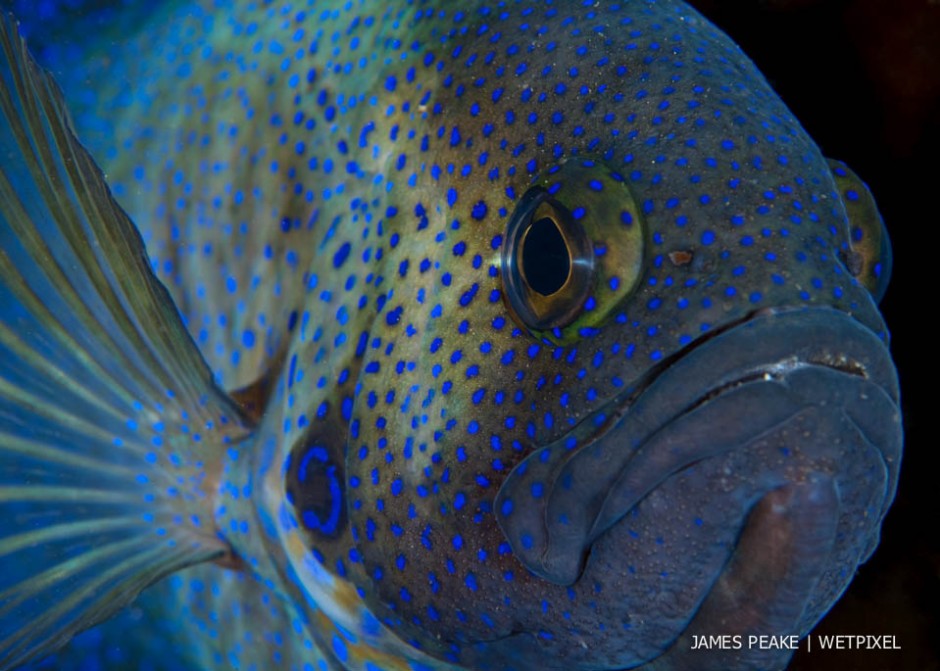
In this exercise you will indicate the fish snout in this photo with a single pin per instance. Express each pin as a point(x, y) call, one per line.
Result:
point(734, 496)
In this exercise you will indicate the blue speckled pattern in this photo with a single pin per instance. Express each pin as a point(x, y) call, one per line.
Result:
point(448, 466)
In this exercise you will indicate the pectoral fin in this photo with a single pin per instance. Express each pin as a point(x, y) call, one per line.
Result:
point(110, 425)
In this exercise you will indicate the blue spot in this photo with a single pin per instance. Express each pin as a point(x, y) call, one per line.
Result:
point(341, 255)
point(471, 582)
point(339, 648)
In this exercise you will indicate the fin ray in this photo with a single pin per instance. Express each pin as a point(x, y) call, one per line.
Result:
point(111, 429)
point(62, 532)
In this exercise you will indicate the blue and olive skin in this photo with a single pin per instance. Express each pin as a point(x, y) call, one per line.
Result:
point(558, 334)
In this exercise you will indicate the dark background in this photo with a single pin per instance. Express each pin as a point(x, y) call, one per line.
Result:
point(863, 77)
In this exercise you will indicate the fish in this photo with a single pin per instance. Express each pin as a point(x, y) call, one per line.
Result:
point(419, 335)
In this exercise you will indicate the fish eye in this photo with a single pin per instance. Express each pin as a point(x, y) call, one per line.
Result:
point(573, 250)
point(548, 262)
point(868, 257)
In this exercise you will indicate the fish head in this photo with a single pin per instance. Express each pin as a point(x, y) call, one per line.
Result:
point(615, 378)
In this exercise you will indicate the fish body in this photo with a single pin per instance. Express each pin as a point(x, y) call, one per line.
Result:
point(547, 339)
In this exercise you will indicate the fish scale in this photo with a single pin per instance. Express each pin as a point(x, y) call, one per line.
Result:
point(329, 192)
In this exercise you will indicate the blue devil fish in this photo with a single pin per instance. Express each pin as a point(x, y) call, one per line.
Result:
point(416, 336)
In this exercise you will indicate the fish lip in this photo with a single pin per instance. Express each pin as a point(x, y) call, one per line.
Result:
point(617, 406)
point(768, 344)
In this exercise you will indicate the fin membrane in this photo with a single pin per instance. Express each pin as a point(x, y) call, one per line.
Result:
point(110, 426)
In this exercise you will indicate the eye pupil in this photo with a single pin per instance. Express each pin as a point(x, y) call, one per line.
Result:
point(545, 259)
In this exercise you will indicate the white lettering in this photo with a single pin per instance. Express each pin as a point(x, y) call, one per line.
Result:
point(770, 642)
point(716, 642)
point(858, 642)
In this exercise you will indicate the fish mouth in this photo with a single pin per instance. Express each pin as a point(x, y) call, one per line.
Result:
point(812, 382)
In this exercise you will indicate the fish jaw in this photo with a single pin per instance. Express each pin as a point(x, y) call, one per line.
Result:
point(735, 493)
